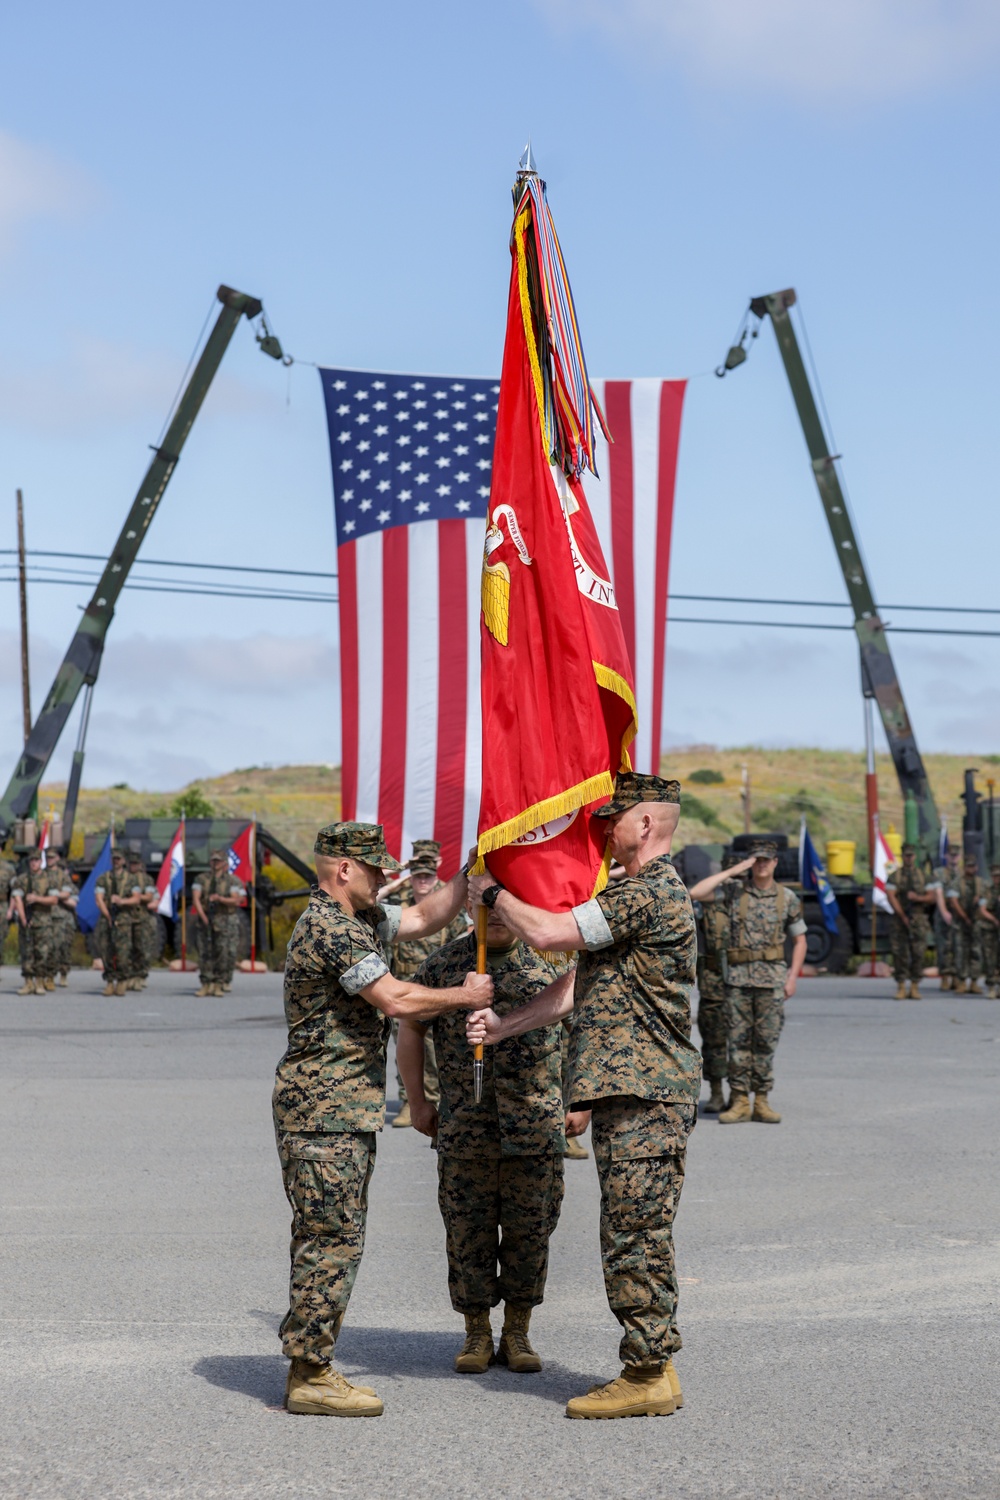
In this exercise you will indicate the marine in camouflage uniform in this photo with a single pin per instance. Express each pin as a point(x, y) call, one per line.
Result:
point(39, 951)
point(215, 896)
point(141, 919)
point(965, 896)
point(500, 1162)
point(713, 1010)
point(989, 909)
point(759, 915)
point(329, 1097)
point(910, 896)
point(7, 874)
point(64, 916)
point(117, 934)
point(943, 879)
point(407, 958)
point(633, 1064)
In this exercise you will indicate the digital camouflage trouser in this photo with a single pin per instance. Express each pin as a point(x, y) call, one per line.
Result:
point(216, 950)
point(65, 925)
point(498, 1211)
point(968, 949)
point(639, 1147)
point(713, 1023)
point(326, 1181)
point(118, 942)
point(40, 948)
point(756, 1017)
point(909, 947)
point(432, 1084)
point(991, 952)
point(944, 942)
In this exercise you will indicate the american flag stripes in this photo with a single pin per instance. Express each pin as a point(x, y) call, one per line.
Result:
point(411, 458)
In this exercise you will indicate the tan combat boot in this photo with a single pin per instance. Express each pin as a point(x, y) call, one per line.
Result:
point(27, 988)
point(900, 991)
point(515, 1349)
point(738, 1111)
point(402, 1120)
point(974, 987)
point(574, 1150)
point(763, 1112)
point(227, 989)
point(40, 987)
point(321, 1391)
point(121, 987)
point(63, 979)
point(109, 988)
point(49, 983)
point(476, 1354)
point(206, 989)
point(947, 982)
point(915, 991)
point(960, 986)
point(639, 1391)
point(715, 1103)
point(675, 1384)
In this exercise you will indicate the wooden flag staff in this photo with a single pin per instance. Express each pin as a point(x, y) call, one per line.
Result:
point(482, 917)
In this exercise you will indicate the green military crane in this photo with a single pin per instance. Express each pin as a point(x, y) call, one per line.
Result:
point(878, 672)
point(82, 661)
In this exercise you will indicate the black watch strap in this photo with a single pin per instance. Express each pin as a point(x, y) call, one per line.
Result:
point(490, 895)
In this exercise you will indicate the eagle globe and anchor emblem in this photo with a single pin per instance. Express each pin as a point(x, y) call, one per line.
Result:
point(496, 607)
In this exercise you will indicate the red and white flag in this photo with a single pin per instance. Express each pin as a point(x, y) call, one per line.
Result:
point(241, 854)
point(170, 880)
point(412, 458)
point(885, 864)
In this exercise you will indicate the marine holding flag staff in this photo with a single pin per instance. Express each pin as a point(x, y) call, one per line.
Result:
point(329, 1092)
point(632, 1062)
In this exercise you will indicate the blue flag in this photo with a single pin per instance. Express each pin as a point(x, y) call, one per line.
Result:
point(86, 906)
point(814, 878)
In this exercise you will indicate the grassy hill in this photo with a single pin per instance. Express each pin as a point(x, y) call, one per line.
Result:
point(827, 785)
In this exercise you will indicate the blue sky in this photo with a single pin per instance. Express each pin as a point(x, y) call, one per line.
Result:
point(351, 165)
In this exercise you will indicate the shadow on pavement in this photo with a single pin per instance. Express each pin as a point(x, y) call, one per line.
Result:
point(395, 1353)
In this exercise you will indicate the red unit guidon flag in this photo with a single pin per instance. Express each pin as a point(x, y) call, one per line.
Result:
point(412, 461)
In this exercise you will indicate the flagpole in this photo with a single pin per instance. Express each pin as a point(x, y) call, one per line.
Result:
point(184, 865)
point(253, 895)
point(871, 799)
point(482, 917)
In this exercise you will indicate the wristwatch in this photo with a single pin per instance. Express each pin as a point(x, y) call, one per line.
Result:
point(490, 895)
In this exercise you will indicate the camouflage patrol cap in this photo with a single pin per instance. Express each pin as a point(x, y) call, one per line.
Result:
point(134, 850)
point(34, 854)
point(363, 841)
point(763, 849)
point(909, 849)
point(424, 859)
point(217, 854)
point(631, 788)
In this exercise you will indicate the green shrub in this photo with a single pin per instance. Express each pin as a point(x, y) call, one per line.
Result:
point(707, 777)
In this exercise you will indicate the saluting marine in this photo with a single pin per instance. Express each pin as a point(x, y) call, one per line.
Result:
point(760, 914)
point(500, 1162)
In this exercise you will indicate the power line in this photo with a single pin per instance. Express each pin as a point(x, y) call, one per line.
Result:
point(821, 625)
point(160, 562)
point(292, 597)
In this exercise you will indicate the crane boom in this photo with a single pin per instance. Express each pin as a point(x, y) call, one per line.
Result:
point(82, 661)
point(877, 664)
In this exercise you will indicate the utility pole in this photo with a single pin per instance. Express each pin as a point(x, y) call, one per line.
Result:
point(22, 584)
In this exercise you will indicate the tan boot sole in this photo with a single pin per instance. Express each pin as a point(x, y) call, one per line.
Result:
point(522, 1364)
point(651, 1409)
point(318, 1409)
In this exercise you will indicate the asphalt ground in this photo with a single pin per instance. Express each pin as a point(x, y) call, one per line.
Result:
point(839, 1275)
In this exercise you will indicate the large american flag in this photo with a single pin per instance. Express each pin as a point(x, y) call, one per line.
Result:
point(411, 457)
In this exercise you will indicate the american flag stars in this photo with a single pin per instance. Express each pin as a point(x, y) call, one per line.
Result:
point(390, 423)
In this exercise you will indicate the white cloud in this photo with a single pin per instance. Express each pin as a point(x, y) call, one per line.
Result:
point(828, 50)
point(34, 184)
point(100, 381)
